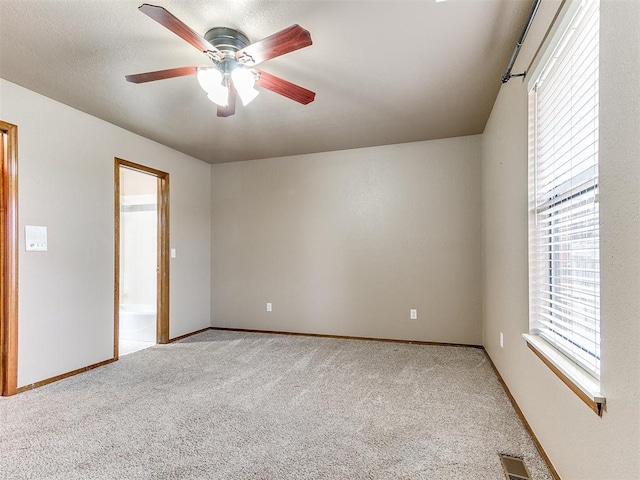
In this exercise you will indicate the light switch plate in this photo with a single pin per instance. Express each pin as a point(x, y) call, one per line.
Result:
point(413, 314)
point(35, 238)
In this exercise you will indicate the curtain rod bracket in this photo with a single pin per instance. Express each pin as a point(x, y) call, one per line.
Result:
point(506, 78)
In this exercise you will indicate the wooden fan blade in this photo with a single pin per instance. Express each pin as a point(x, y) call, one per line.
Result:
point(282, 87)
point(161, 74)
point(167, 20)
point(284, 41)
point(230, 109)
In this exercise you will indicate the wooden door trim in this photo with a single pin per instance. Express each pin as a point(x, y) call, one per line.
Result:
point(162, 302)
point(162, 331)
point(9, 264)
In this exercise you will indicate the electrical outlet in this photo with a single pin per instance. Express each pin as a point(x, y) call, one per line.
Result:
point(413, 314)
point(501, 340)
point(269, 307)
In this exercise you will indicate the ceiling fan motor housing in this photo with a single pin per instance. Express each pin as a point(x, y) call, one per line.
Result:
point(227, 40)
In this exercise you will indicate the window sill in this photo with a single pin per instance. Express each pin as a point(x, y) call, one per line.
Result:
point(579, 381)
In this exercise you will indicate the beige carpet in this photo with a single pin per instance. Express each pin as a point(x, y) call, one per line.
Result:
point(227, 405)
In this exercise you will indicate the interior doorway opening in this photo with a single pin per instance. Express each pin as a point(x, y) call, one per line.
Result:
point(141, 268)
point(138, 260)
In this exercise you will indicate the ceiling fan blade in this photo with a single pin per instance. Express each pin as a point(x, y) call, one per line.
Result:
point(161, 74)
point(230, 109)
point(284, 41)
point(282, 87)
point(168, 20)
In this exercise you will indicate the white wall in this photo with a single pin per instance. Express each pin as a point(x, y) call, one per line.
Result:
point(66, 178)
point(581, 445)
point(348, 242)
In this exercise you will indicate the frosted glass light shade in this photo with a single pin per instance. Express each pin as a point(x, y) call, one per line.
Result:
point(247, 95)
point(243, 78)
point(219, 96)
point(244, 81)
point(209, 79)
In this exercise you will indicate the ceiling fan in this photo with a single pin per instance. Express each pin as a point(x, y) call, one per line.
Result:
point(234, 59)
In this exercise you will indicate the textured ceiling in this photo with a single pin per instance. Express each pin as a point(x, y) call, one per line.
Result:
point(384, 72)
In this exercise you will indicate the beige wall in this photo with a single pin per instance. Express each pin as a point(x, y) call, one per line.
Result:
point(66, 177)
point(348, 242)
point(581, 445)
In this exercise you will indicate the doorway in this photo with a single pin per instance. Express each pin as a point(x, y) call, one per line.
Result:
point(8, 258)
point(142, 250)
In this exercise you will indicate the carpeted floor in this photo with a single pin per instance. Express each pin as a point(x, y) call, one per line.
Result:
point(229, 405)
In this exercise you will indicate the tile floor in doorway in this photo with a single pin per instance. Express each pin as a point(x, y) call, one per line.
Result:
point(130, 346)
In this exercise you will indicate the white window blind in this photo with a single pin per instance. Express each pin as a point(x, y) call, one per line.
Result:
point(564, 261)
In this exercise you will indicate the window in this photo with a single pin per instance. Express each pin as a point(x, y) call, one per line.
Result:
point(564, 260)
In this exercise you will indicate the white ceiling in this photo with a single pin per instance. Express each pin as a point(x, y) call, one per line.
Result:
point(384, 71)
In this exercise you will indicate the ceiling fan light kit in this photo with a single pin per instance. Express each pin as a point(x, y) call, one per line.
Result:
point(228, 72)
point(234, 60)
point(244, 82)
point(211, 81)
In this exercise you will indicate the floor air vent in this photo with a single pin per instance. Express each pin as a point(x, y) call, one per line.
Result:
point(514, 468)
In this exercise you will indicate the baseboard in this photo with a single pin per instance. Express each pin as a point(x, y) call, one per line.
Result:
point(187, 335)
point(347, 337)
point(516, 407)
point(42, 383)
point(47, 381)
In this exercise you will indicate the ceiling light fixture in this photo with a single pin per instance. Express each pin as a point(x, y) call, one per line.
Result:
point(216, 84)
point(212, 81)
point(228, 72)
point(234, 73)
point(244, 81)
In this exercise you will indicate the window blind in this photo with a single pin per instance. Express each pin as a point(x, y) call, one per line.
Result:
point(564, 235)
